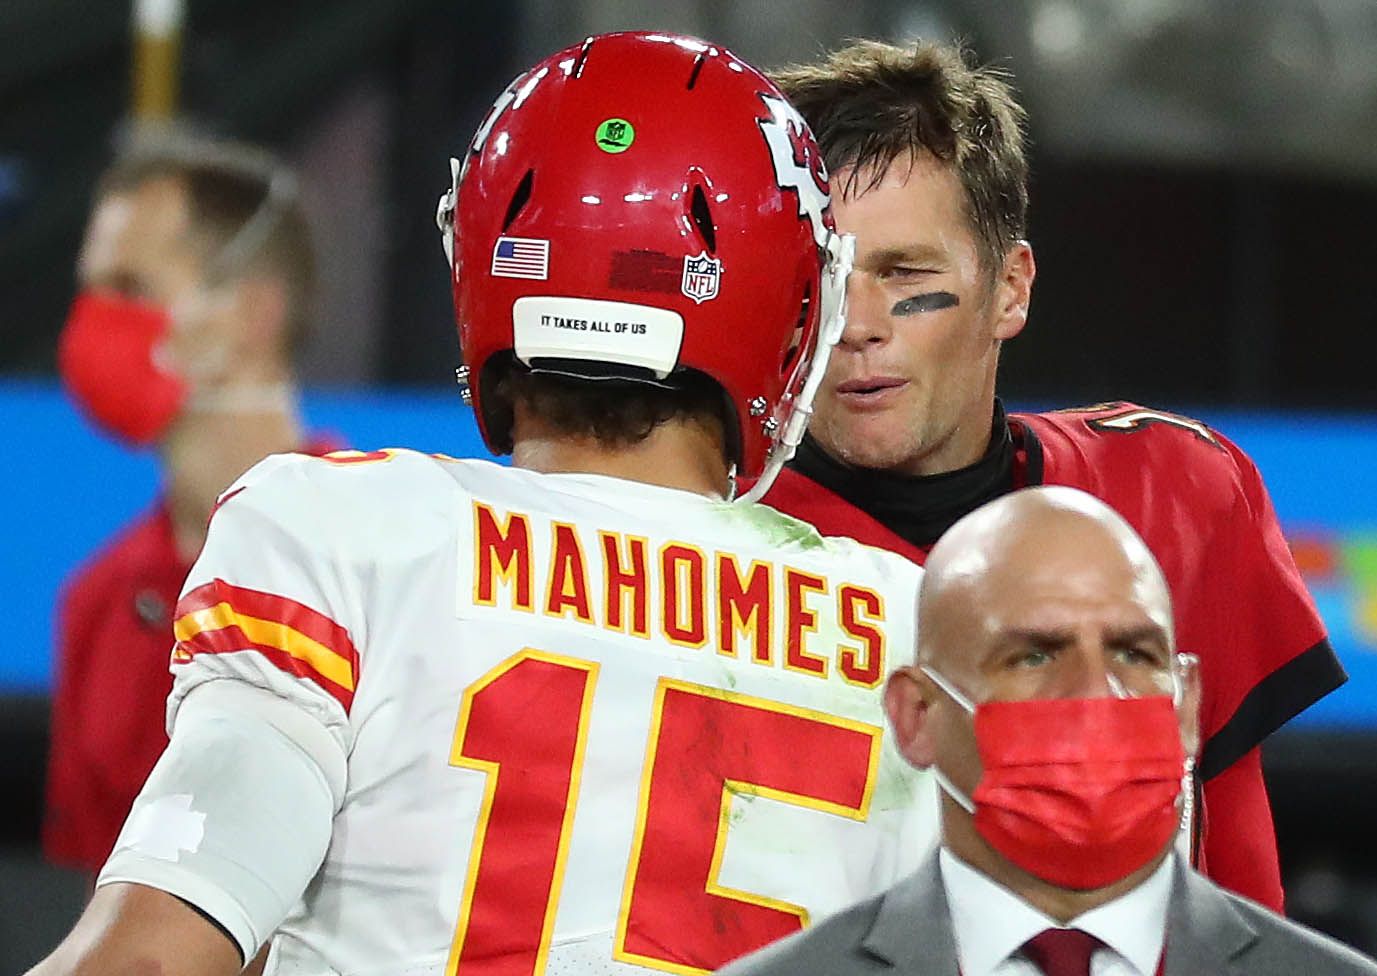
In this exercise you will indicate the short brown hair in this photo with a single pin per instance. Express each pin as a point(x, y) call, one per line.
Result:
point(870, 103)
point(230, 185)
point(616, 413)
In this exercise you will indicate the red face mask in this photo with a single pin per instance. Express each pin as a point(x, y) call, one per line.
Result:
point(106, 358)
point(1080, 792)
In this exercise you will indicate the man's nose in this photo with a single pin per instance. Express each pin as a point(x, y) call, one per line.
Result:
point(867, 313)
point(1094, 678)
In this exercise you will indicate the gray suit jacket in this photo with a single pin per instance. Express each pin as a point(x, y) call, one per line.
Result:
point(907, 932)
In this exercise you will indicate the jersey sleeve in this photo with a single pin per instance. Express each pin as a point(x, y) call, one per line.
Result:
point(1261, 640)
point(236, 816)
point(273, 600)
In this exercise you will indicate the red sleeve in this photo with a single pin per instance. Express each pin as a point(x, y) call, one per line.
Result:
point(109, 697)
point(1262, 645)
point(1238, 843)
point(70, 789)
point(1267, 659)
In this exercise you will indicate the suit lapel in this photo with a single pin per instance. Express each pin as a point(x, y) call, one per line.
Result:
point(1204, 931)
point(912, 928)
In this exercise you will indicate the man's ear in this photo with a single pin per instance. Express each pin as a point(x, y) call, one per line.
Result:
point(906, 704)
point(1014, 291)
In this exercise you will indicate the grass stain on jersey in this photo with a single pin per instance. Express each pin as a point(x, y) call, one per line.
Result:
point(775, 528)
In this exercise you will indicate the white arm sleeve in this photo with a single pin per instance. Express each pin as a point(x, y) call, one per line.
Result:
point(236, 816)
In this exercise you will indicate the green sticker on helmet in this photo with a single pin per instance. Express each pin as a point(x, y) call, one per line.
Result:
point(615, 136)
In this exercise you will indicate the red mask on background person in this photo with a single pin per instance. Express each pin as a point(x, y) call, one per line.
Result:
point(1080, 792)
point(107, 357)
point(108, 353)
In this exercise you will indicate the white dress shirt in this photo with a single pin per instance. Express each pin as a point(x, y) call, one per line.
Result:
point(990, 924)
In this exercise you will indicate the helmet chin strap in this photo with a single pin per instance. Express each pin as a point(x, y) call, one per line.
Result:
point(444, 210)
point(841, 255)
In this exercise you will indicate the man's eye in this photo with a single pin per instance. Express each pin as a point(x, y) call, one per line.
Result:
point(1136, 656)
point(1031, 659)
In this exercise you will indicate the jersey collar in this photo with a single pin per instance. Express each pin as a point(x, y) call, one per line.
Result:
point(919, 509)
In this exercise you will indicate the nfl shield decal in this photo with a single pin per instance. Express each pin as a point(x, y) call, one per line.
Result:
point(702, 276)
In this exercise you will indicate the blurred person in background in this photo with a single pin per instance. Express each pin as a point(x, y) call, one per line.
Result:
point(928, 164)
point(1049, 700)
point(195, 283)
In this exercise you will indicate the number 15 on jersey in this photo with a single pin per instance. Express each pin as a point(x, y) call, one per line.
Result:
point(525, 726)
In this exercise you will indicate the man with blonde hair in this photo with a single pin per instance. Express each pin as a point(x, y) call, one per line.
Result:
point(927, 153)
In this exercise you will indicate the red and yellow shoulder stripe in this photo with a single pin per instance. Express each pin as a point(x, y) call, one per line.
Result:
point(218, 618)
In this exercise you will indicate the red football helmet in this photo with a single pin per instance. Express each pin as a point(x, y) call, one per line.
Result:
point(643, 205)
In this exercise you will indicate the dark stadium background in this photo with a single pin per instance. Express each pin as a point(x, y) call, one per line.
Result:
point(1204, 205)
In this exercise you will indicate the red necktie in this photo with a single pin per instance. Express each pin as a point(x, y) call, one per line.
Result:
point(1062, 952)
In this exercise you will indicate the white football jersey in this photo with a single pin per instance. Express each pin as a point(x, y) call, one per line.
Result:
point(592, 725)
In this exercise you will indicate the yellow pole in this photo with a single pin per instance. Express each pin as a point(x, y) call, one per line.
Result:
point(157, 58)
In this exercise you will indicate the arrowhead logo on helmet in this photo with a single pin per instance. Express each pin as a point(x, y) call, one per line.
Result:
point(512, 96)
point(798, 164)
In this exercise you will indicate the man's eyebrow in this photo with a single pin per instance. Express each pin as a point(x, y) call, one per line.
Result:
point(1052, 636)
point(902, 254)
point(1042, 636)
point(1137, 632)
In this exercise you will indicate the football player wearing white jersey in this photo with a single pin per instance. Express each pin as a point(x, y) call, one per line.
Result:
point(585, 714)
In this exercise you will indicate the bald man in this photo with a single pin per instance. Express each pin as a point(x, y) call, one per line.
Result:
point(1049, 701)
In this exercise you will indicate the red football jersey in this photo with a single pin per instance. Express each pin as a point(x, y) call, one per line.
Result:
point(1239, 601)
